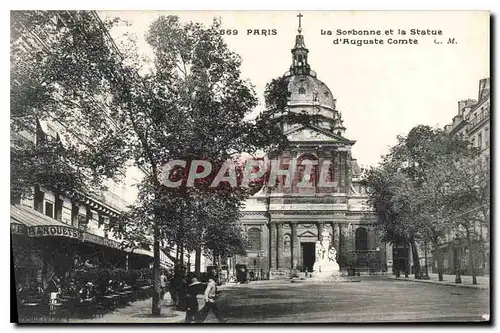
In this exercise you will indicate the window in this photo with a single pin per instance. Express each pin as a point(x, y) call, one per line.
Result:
point(361, 237)
point(480, 140)
point(473, 141)
point(487, 137)
point(15, 198)
point(254, 239)
point(82, 221)
point(49, 209)
point(302, 91)
point(58, 209)
point(38, 200)
point(103, 221)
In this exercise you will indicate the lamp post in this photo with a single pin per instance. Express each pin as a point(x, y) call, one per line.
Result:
point(378, 259)
point(458, 279)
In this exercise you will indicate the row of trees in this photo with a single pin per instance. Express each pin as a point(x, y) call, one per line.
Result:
point(429, 186)
point(191, 104)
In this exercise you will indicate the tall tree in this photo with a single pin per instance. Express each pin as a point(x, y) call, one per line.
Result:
point(410, 189)
point(191, 106)
point(62, 63)
point(469, 205)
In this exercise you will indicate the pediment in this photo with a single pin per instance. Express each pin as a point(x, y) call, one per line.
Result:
point(312, 133)
point(307, 234)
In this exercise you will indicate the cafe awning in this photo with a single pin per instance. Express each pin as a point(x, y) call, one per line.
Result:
point(27, 221)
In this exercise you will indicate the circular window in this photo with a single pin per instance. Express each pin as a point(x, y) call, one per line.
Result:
point(302, 91)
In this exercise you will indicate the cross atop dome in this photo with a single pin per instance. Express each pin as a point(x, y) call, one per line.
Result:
point(300, 21)
point(299, 53)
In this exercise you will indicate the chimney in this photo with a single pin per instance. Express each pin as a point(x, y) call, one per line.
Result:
point(484, 88)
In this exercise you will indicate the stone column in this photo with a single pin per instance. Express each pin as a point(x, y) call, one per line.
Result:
point(279, 247)
point(352, 234)
point(321, 227)
point(340, 237)
point(295, 246)
point(334, 235)
point(272, 247)
point(341, 172)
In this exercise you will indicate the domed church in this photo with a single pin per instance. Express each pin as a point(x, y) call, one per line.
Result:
point(283, 223)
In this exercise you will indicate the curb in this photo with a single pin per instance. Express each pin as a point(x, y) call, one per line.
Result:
point(180, 316)
point(450, 284)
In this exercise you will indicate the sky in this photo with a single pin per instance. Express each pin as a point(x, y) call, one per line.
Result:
point(383, 90)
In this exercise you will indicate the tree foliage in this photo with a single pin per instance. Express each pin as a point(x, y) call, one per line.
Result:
point(426, 180)
point(61, 69)
point(191, 106)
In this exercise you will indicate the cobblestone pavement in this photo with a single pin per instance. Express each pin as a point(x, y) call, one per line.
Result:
point(373, 299)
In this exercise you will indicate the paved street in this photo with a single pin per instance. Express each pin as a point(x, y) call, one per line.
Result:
point(371, 300)
point(137, 312)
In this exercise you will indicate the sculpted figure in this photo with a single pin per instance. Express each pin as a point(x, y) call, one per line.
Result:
point(332, 254)
point(325, 236)
point(319, 251)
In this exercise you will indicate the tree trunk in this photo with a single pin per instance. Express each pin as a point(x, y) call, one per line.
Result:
point(416, 260)
point(406, 259)
point(439, 259)
point(197, 261)
point(471, 260)
point(156, 306)
point(181, 250)
point(395, 261)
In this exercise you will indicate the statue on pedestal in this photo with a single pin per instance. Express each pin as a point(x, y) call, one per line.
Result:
point(326, 265)
point(325, 240)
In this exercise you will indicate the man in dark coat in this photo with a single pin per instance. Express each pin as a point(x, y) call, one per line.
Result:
point(195, 288)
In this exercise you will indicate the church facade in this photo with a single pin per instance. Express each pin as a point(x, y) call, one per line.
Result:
point(283, 224)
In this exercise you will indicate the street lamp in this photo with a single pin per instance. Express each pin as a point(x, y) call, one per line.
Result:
point(458, 279)
point(378, 259)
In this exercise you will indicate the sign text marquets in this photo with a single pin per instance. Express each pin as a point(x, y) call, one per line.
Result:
point(38, 231)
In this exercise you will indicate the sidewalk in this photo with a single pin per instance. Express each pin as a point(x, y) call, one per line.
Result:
point(137, 312)
point(483, 282)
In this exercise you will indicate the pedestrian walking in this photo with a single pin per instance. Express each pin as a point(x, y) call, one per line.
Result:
point(192, 290)
point(210, 305)
point(163, 284)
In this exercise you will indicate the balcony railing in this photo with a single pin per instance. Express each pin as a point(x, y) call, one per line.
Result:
point(478, 119)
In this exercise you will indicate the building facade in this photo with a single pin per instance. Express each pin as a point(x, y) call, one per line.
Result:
point(54, 233)
point(284, 223)
point(472, 122)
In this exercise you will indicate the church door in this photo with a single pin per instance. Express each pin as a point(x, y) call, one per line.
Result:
point(308, 255)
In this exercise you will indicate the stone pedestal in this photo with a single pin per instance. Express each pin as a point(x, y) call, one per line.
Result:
point(326, 266)
point(328, 270)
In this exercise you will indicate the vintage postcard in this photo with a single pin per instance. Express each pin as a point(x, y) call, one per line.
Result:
point(250, 166)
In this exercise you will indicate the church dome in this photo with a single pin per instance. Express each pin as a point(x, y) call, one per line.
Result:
point(308, 90)
point(307, 94)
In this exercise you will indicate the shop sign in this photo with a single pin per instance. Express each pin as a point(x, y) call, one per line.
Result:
point(17, 229)
point(100, 240)
point(41, 231)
